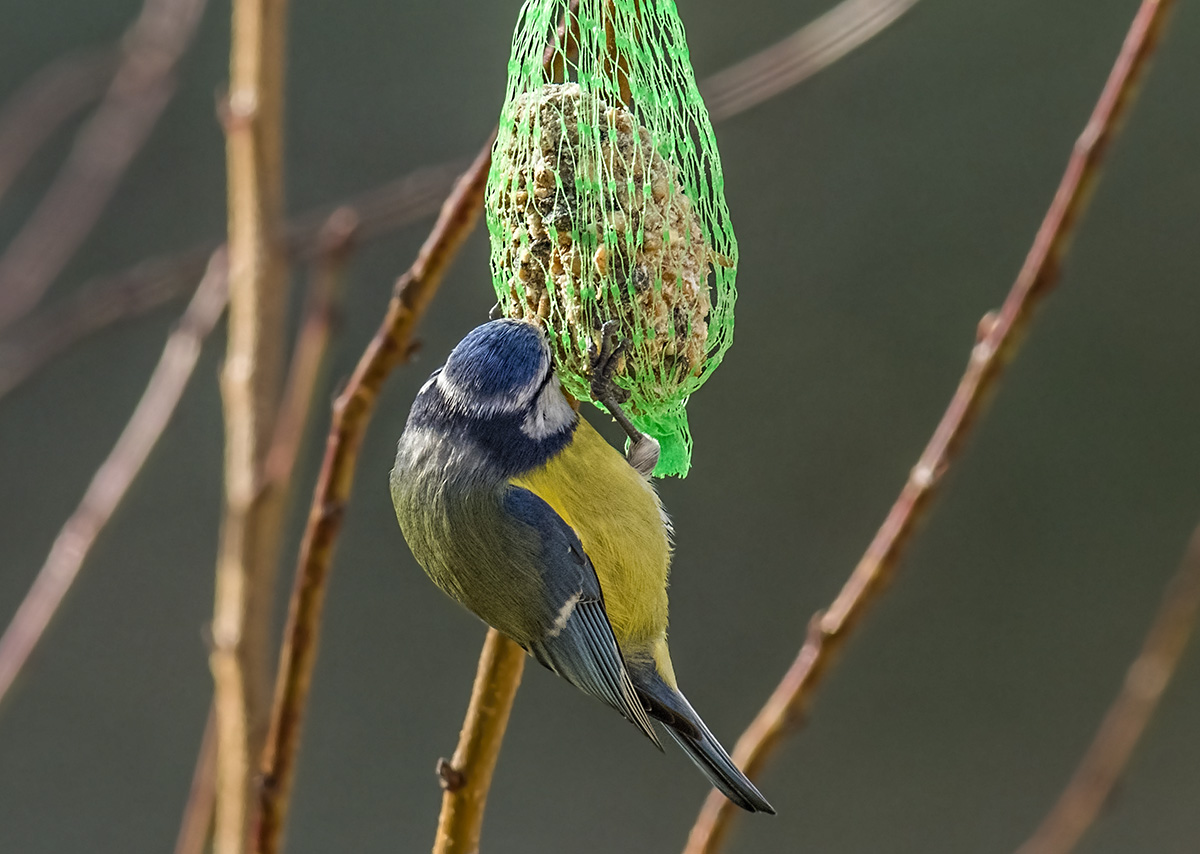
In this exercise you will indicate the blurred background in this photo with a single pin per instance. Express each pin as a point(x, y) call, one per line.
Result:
point(881, 208)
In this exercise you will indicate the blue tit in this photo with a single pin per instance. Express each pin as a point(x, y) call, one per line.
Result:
point(517, 508)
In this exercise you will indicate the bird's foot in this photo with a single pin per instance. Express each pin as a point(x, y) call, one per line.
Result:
point(643, 450)
point(604, 361)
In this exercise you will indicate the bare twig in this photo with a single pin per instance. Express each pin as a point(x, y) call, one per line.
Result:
point(312, 344)
point(309, 355)
point(49, 98)
point(114, 477)
point(45, 333)
point(196, 827)
point(246, 563)
point(379, 211)
point(1126, 720)
point(467, 778)
point(352, 410)
point(799, 56)
point(139, 91)
point(999, 338)
point(35, 340)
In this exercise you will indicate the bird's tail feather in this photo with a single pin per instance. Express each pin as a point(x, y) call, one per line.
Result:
point(684, 725)
point(710, 757)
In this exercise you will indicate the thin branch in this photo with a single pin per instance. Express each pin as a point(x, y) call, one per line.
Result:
point(322, 309)
point(196, 827)
point(467, 777)
point(45, 101)
point(251, 382)
point(32, 342)
point(999, 339)
point(35, 340)
point(309, 357)
point(380, 211)
point(813, 47)
point(139, 92)
point(114, 477)
point(391, 346)
point(1111, 749)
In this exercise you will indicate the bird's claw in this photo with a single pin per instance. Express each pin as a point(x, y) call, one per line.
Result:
point(604, 360)
point(643, 450)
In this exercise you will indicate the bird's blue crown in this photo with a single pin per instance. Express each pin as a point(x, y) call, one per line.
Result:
point(498, 367)
point(494, 394)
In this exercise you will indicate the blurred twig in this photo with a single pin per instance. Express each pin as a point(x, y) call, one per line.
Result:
point(999, 338)
point(251, 382)
point(45, 333)
point(391, 346)
point(139, 91)
point(49, 98)
point(467, 777)
point(32, 342)
point(309, 356)
point(196, 827)
point(312, 344)
point(1126, 720)
point(114, 477)
point(799, 56)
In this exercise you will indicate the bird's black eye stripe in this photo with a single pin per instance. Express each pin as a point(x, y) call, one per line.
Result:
point(545, 380)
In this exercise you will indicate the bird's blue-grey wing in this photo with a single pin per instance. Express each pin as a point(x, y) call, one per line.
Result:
point(578, 642)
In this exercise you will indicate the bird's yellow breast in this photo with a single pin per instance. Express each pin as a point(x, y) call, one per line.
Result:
point(618, 517)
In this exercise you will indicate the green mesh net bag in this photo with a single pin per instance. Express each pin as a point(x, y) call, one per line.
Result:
point(606, 202)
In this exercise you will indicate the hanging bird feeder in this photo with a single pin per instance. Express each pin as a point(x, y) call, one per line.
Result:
point(605, 201)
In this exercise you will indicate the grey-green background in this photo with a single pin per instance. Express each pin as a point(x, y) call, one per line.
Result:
point(881, 208)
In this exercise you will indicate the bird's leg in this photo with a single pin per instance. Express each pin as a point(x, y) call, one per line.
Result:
point(643, 449)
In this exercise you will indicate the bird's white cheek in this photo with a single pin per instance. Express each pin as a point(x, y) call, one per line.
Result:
point(549, 414)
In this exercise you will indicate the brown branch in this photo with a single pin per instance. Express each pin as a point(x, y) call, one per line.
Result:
point(309, 356)
point(802, 54)
point(29, 344)
point(196, 827)
point(321, 312)
point(45, 101)
point(35, 340)
point(999, 338)
point(115, 476)
point(139, 92)
point(1127, 718)
point(467, 778)
point(391, 346)
point(251, 381)
point(379, 211)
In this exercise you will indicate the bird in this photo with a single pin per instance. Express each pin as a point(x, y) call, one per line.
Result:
point(520, 510)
